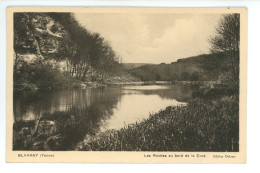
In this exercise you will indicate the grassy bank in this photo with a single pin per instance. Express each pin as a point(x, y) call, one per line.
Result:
point(201, 125)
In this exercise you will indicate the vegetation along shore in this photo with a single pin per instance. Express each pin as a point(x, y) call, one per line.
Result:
point(209, 122)
point(201, 125)
point(54, 52)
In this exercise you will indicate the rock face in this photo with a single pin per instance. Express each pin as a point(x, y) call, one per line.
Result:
point(37, 36)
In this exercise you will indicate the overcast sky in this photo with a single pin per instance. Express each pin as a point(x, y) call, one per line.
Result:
point(153, 38)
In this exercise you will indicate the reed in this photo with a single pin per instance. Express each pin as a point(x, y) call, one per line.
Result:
point(201, 125)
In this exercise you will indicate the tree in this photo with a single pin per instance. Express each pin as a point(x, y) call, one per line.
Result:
point(185, 76)
point(59, 40)
point(227, 41)
point(227, 38)
point(195, 76)
point(84, 50)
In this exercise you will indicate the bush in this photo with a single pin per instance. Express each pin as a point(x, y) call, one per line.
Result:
point(42, 76)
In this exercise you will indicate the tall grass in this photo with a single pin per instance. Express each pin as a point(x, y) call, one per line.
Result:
point(201, 125)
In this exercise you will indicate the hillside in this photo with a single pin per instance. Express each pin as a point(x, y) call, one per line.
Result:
point(198, 68)
point(129, 66)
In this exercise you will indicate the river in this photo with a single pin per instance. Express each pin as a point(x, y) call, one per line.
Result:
point(80, 112)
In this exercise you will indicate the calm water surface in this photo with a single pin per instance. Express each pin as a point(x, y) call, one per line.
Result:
point(99, 109)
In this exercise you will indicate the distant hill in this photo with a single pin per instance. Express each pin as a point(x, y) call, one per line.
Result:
point(206, 67)
point(134, 65)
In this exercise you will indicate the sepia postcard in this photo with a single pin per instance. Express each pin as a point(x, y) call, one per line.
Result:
point(126, 85)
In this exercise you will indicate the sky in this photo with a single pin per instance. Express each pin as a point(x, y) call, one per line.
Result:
point(153, 38)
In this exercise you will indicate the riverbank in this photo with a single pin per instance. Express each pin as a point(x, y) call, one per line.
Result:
point(60, 81)
point(201, 125)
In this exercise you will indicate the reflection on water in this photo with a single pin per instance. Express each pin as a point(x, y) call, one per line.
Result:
point(71, 114)
point(31, 106)
point(133, 108)
point(146, 87)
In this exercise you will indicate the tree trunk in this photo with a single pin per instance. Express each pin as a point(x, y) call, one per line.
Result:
point(15, 64)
